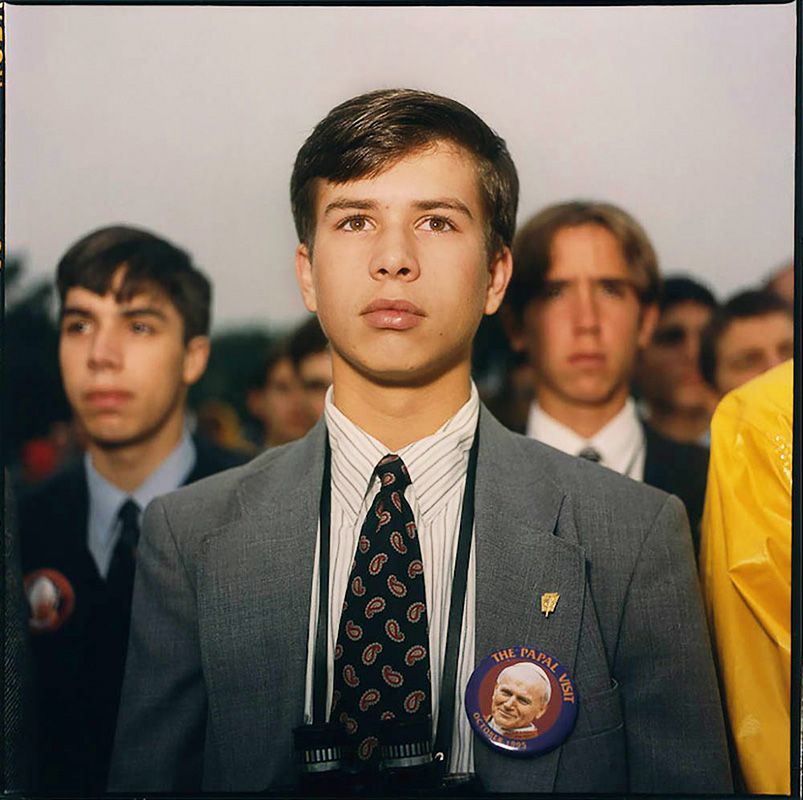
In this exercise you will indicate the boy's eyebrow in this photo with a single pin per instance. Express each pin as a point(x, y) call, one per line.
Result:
point(347, 203)
point(142, 311)
point(75, 311)
point(450, 203)
point(618, 279)
point(145, 311)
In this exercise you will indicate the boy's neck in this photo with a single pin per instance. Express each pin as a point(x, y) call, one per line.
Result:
point(585, 420)
point(399, 415)
point(127, 467)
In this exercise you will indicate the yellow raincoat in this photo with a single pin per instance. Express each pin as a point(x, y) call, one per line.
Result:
point(745, 569)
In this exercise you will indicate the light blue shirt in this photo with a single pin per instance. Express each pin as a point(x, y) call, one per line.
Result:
point(105, 499)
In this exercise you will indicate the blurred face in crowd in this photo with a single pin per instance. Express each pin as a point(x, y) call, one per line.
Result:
point(280, 406)
point(125, 366)
point(315, 373)
point(669, 368)
point(518, 699)
point(752, 345)
point(399, 273)
point(582, 335)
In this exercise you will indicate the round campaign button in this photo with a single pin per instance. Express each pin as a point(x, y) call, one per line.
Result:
point(521, 701)
point(51, 599)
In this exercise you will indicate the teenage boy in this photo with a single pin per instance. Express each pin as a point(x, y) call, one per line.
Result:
point(405, 204)
point(679, 402)
point(752, 332)
point(133, 338)
point(309, 351)
point(582, 304)
point(276, 398)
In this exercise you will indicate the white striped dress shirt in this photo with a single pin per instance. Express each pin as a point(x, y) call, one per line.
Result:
point(620, 442)
point(437, 466)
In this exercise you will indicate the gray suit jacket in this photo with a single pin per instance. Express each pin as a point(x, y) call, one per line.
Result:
point(216, 668)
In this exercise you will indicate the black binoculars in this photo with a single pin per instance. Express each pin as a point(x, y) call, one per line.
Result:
point(327, 764)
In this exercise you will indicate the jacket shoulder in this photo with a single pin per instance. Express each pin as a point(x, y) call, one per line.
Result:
point(211, 459)
point(53, 514)
point(590, 488)
point(223, 496)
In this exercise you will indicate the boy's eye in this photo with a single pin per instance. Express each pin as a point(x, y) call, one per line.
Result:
point(141, 328)
point(613, 288)
point(671, 336)
point(75, 326)
point(552, 290)
point(355, 224)
point(438, 224)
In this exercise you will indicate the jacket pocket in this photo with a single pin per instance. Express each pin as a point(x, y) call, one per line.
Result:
point(600, 712)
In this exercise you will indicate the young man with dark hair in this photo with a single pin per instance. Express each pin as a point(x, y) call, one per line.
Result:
point(309, 351)
point(133, 338)
point(276, 398)
point(582, 304)
point(350, 583)
point(679, 402)
point(749, 334)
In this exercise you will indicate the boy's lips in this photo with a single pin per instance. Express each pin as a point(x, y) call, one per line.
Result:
point(586, 359)
point(397, 315)
point(107, 398)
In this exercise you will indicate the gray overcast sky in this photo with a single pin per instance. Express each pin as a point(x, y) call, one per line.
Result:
point(187, 120)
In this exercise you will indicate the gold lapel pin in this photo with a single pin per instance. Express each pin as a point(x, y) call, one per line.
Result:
point(549, 601)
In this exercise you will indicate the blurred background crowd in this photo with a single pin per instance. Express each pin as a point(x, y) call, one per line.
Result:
point(265, 386)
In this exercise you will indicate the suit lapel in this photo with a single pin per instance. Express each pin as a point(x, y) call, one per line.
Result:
point(526, 545)
point(260, 568)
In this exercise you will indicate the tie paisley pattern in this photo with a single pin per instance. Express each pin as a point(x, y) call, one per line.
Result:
point(381, 666)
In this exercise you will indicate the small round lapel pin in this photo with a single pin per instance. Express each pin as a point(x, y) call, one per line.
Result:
point(51, 599)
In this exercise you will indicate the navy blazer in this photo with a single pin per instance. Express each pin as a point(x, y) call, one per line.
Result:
point(78, 668)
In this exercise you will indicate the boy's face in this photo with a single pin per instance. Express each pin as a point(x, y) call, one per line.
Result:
point(669, 369)
point(399, 274)
point(315, 372)
point(752, 345)
point(280, 404)
point(125, 366)
point(582, 335)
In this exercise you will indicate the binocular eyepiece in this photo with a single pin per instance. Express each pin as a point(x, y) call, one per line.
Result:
point(327, 761)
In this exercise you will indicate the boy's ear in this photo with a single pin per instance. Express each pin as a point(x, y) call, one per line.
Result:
point(196, 357)
point(499, 272)
point(647, 323)
point(304, 277)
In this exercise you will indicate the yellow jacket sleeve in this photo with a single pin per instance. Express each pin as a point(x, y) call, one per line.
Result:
point(745, 568)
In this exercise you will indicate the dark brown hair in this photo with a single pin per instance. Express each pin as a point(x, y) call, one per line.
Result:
point(533, 245)
point(367, 134)
point(150, 263)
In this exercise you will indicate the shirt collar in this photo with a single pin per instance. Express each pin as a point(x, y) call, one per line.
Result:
point(105, 498)
point(436, 463)
point(617, 441)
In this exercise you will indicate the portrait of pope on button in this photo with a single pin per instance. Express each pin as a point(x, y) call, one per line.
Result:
point(520, 697)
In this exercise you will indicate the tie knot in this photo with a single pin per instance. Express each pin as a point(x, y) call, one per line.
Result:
point(129, 519)
point(391, 471)
point(590, 454)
